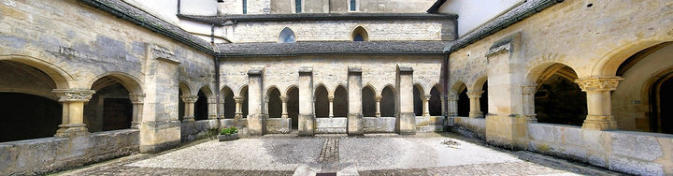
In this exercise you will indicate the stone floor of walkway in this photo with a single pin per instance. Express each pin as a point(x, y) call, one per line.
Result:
point(424, 154)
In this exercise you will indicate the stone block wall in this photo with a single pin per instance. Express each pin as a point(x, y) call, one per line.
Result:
point(471, 127)
point(39, 156)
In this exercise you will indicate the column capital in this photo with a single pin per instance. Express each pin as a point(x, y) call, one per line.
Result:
point(378, 98)
point(189, 98)
point(136, 98)
point(74, 95)
point(475, 94)
point(330, 98)
point(283, 99)
point(452, 97)
point(238, 99)
point(599, 83)
point(528, 89)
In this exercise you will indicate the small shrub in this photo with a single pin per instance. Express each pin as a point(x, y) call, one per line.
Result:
point(229, 131)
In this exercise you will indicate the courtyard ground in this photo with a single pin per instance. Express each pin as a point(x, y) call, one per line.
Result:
point(382, 154)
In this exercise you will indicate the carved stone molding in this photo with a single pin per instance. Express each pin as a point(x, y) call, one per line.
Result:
point(238, 99)
point(189, 99)
point(475, 94)
point(137, 98)
point(378, 98)
point(599, 83)
point(159, 52)
point(73, 95)
point(528, 89)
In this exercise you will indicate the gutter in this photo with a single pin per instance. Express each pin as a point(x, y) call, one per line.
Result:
point(501, 22)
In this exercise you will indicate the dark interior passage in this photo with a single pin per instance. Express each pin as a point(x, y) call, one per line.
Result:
point(559, 99)
point(201, 107)
point(483, 100)
point(27, 116)
point(340, 102)
point(321, 102)
point(275, 105)
point(435, 102)
point(388, 102)
point(293, 106)
point(463, 104)
point(368, 102)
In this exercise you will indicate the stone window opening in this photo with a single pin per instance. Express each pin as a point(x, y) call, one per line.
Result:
point(360, 34)
point(321, 102)
point(297, 6)
point(435, 102)
point(293, 106)
point(463, 102)
point(558, 99)
point(388, 102)
point(274, 107)
point(229, 103)
point(245, 6)
point(286, 36)
point(110, 107)
point(352, 5)
point(368, 102)
point(201, 106)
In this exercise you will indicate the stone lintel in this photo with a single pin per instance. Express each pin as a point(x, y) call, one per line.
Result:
point(255, 72)
point(305, 70)
point(405, 70)
point(354, 69)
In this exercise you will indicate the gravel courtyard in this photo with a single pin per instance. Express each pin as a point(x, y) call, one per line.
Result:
point(369, 155)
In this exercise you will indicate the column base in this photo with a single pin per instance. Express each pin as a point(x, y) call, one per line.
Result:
point(476, 114)
point(256, 124)
point(156, 136)
point(306, 125)
point(135, 125)
point(508, 131)
point(355, 124)
point(188, 119)
point(212, 117)
point(407, 123)
point(594, 122)
point(70, 130)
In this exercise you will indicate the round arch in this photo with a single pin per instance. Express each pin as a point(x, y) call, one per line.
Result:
point(610, 62)
point(61, 78)
point(131, 83)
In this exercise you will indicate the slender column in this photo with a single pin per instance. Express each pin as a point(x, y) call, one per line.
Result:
point(189, 107)
point(528, 101)
point(212, 108)
point(284, 114)
point(137, 101)
point(444, 108)
point(331, 106)
point(426, 108)
point(599, 106)
point(221, 108)
point(239, 105)
point(73, 111)
point(306, 114)
point(407, 118)
point(354, 101)
point(378, 106)
point(453, 105)
point(475, 107)
point(266, 106)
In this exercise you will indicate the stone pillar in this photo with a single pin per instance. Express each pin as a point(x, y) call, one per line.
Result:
point(256, 114)
point(239, 104)
point(137, 101)
point(306, 117)
point(599, 105)
point(378, 106)
point(284, 113)
point(444, 108)
point(355, 101)
point(73, 111)
point(189, 107)
point(221, 108)
point(407, 118)
point(475, 106)
point(453, 105)
point(331, 106)
point(528, 101)
point(160, 128)
point(426, 107)
point(212, 108)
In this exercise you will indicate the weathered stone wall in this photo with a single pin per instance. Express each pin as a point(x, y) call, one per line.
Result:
point(330, 71)
point(471, 127)
point(325, 6)
point(342, 30)
point(39, 156)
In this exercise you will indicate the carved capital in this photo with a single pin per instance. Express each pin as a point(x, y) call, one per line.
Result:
point(528, 89)
point(330, 98)
point(452, 97)
point(136, 98)
point(189, 98)
point(238, 99)
point(378, 98)
point(283, 99)
point(475, 94)
point(73, 95)
point(599, 83)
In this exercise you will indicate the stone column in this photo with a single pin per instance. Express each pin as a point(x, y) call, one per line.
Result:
point(453, 105)
point(212, 108)
point(475, 106)
point(426, 107)
point(528, 101)
point(354, 101)
point(256, 114)
point(331, 106)
point(239, 104)
point(378, 105)
point(599, 105)
point(189, 107)
point(306, 117)
point(407, 118)
point(284, 113)
point(444, 108)
point(221, 108)
point(73, 111)
point(137, 101)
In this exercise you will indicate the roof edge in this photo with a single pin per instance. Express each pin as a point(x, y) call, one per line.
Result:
point(146, 20)
point(519, 13)
point(220, 20)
